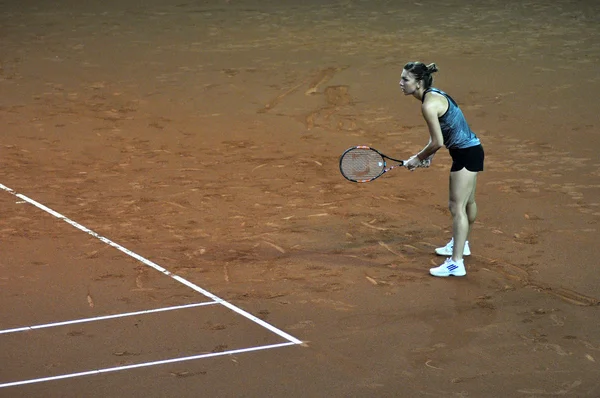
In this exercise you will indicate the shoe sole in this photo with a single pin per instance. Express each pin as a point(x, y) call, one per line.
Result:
point(446, 254)
point(445, 276)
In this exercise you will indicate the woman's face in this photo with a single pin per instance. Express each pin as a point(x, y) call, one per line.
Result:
point(408, 83)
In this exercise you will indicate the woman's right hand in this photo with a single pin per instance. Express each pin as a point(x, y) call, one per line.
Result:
point(413, 163)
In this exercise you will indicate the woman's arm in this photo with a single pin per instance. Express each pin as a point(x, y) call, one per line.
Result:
point(432, 108)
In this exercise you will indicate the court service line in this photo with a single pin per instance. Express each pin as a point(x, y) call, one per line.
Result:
point(145, 364)
point(157, 267)
point(104, 317)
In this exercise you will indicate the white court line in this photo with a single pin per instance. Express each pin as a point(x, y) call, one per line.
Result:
point(291, 340)
point(146, 364)
point(157, 267)
point(102, 318)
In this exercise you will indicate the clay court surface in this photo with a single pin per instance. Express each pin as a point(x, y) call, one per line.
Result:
point(203, 137)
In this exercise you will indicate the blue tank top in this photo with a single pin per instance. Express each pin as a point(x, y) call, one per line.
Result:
point(455, 129)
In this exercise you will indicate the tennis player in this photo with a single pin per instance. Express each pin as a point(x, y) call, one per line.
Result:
point(447, 127)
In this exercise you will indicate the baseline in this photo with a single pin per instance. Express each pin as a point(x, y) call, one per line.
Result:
point(143, 365)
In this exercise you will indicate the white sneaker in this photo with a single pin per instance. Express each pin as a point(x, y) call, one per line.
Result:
point(454, 268)
point(447, 250)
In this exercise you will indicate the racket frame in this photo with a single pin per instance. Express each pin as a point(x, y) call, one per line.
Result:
point(385, 169)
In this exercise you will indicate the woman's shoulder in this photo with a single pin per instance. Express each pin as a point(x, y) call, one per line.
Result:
point(434, 95)
point(436, 90)
point(435, 101)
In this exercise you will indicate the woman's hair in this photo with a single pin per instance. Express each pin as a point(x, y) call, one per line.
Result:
point(422, 72)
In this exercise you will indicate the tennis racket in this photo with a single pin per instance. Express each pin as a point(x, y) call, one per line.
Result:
point(363, 164)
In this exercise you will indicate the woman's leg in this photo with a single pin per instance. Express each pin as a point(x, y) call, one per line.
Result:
point(472, 208)
point(462, 207)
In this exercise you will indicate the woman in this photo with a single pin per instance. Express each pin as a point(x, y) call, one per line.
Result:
point(448, 127)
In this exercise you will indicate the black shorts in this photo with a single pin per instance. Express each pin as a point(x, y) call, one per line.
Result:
point(470, 158)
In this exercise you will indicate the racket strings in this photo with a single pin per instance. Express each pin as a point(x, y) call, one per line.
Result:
point(361, 164)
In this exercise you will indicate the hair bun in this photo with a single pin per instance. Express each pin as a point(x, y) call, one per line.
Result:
point(432, 68)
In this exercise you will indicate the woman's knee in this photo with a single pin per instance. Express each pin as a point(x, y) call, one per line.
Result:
point(456, 207)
